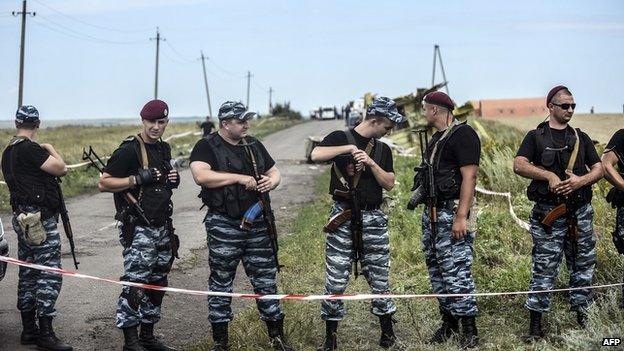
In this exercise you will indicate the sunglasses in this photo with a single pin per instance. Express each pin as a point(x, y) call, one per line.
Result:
point(565, 106)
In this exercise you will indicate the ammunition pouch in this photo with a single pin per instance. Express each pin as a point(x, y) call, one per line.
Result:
point(129, 223)
point(448, 184)
point(156, 203)
point(615, 197)
point(32, 227)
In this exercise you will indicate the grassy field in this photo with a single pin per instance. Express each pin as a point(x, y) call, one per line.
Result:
point(502, 263)
point(70, 140)
point(599, 126)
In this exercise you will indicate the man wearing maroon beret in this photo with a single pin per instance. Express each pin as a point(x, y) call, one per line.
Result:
point(141, 167)
point(562, 164)
point(448, 225)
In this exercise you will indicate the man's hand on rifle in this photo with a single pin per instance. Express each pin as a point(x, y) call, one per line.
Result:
point(174, 176)
point(553, 182)
point(248, 181)
point(362, 159)
point(147, 176)
point(265, 184)
point(460, 227)
point(570, 185)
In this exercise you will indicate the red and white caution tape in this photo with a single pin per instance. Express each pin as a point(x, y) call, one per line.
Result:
point(515, 217)
point(291, 296)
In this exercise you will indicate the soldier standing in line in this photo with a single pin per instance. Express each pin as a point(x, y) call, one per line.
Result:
point(235, 171)
point(362, 166)
point(30, 171)
point(613, 164)
point(448, 224)
point(141, 166)
point(562, 164)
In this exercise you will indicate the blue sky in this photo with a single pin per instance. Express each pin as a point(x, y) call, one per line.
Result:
point(94, 59)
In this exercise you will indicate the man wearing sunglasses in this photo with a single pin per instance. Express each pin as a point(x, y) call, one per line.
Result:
point(562, 164)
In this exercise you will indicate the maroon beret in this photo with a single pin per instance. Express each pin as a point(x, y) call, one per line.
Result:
point(440, 99)
point(553, 91)
point(155, 109)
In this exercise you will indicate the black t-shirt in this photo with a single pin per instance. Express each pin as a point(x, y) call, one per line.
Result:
point(616, 144)
point(207, 127)
point(339, 138)
point(560, 137)
point(462, 148)
point(126, 161)
point(202, 151)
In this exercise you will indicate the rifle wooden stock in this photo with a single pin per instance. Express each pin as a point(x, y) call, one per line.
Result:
point(554, 214)
point(336, 221)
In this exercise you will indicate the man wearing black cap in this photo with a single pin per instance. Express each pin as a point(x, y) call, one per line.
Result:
point(235, 171)
point(449, 225)
point(362, 167)
point(562, 164)
point(31, 172)
point(141, 166)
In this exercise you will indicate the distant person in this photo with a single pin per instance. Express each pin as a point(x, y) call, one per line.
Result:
point(141, 166)
point(562, 164)
point(613, 164)
point(455, 152)
point(207, 126)
point(235, 172)
point(591, 110)
point(362, 165)
point(31, 170)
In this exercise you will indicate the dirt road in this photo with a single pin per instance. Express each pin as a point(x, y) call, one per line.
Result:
point(87, 309)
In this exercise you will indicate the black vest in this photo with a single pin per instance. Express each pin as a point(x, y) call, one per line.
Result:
point(447, 178)
point(27, 189)
point(556, 161)
point(232, 200)
point(369, 191)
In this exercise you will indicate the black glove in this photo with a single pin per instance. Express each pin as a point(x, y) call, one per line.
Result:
point(173, 184)
point(146, 176)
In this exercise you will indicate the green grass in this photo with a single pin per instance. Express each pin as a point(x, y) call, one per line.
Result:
point(501, 263)
point(70, 140)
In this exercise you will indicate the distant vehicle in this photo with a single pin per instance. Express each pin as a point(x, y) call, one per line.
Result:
point(325, 113)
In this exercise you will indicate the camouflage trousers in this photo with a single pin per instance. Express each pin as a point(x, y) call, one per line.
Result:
point(38, 290)
point(227, 246)
point(375, 262)
point(619, 218)
point(147, 259)
point(548, 249)
point(449, 262)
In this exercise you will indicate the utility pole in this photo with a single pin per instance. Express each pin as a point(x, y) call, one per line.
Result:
point(158, 39)
point(20, 95)
point(438, 55)
point(270, 102)
point(203, 58)
point(248, 85)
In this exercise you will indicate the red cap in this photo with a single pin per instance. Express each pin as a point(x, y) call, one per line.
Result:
point(440, 99)
point(553, 91)
point(155, 109)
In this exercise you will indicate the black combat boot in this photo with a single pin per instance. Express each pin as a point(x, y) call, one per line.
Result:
point(149, 341)
point(276, 335)
point(581, 318)
point(470, 338)
point(220, 336)
point(387, 338)
point(131, 339)
point(47, 340)
point(450, 326)
point(331, 333)
point(30, 332)
point(535, 327)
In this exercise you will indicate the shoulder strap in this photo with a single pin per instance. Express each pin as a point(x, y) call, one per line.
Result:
point(251, 155)
point(144, 160)
point(436, 156)
point(16, 140)
point(350, 137)
point(358, 174)
point(575, 151)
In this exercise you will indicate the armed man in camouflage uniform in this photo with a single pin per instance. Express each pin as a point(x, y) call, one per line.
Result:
point(448, 224)
point(225, 164)
point(613, 164)
point(141, 167)
point(357, 154)
point(30, 170)
point(562, 164)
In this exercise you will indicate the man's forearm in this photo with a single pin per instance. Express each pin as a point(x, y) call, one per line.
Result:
point(528, 170)
point(466, 197)
point(385, 179)
point(595, 174)
point(324, 153)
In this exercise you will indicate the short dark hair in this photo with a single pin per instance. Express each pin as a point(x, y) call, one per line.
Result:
point(27, 125)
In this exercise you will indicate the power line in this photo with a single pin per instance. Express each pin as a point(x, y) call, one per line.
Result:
point(91, 24)
point(84, 36)
point(178, 53)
